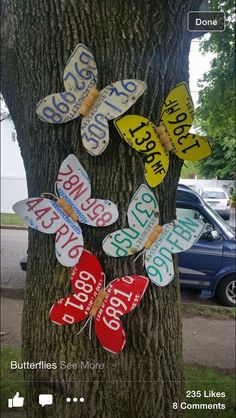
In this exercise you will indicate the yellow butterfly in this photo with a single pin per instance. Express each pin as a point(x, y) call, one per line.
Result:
point(171, 135)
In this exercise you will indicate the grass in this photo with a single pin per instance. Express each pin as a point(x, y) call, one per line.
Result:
point(196, 378)
point(11, 219)
point(11, 380)
point(207, 379)
point(217, 312)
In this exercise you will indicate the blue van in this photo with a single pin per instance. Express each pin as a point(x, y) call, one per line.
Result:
point(210, 264)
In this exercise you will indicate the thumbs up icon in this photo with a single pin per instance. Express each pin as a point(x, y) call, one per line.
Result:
point(16, 402)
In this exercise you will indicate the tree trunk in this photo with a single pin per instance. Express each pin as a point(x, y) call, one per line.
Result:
point(140, 39)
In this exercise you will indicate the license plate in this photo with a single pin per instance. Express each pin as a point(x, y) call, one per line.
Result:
point(213, 203)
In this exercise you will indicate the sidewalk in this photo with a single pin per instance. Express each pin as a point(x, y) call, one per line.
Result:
point(16, 227)
point(209, 342)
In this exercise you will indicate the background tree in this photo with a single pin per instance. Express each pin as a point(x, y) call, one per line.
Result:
point(190, 169)
point(146, 40)
point(216, 110)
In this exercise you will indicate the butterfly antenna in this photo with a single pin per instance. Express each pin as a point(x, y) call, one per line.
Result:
point(48, 194)
point(86, 323)
point(139, 255)
point(104, 279)
point(51, 194)
point(90, 327)
point(55, 190)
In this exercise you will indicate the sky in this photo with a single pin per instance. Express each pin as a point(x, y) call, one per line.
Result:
point(198, 65)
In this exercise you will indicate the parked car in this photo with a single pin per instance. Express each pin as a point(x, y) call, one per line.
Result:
point(218, 199)
point(23, 263)
point(210, 264)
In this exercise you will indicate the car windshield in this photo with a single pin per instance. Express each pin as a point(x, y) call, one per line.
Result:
point(214, 195)
point(228, 230)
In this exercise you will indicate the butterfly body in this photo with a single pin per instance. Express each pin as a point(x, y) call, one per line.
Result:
point(48, 216)
point(81, 97)
point(105, 305)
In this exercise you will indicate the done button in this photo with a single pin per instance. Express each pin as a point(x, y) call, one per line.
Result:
point(206, 21)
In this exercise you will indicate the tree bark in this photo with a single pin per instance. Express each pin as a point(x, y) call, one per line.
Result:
point(140, 39)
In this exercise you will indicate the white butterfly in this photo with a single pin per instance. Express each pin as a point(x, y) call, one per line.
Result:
point(158, 243)
point(82, 98)
point(73, 204)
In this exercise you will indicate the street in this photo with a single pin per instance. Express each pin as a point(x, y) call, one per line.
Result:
point(14, 244)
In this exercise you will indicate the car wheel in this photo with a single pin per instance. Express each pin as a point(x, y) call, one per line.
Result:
point(226, 291)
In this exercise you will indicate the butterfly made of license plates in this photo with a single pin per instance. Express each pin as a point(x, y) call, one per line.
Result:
point(172, 135)
point(82, 98)
point(145, 233)
point(74, 203)
point(106, 305)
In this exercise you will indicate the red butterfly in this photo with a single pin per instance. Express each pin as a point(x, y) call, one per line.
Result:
point(105, 305)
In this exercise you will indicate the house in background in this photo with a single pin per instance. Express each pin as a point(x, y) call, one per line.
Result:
point(13, 176)
point(198, 184)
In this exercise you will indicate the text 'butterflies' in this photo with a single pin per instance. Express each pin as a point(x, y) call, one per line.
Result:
point(154, 143)
point(157, 242)
point(81, 97)
point(74, 203)
point(105, 305)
